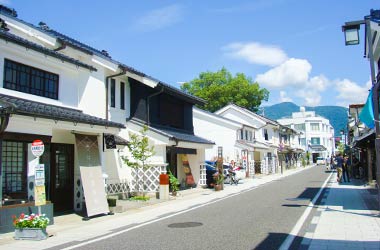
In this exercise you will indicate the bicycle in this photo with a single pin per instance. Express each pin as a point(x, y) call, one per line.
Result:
point(233, 179)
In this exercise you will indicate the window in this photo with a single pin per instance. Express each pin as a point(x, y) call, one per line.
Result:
point(30, 80)
point(113, 90)
point(299, 127)
point(265, 134)
point(13, 172)
point(315, 141)
point(246, 135)
point(241, 134)
point(314, 126)
point(122, 95)
point(302, 141)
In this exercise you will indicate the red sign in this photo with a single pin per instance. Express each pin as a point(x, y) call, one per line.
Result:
point(37, 148)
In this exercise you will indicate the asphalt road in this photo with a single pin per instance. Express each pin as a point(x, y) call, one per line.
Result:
point(260, 218)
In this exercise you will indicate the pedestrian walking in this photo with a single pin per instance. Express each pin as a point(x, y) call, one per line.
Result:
point(339, 167)
point(345, 169)
point(332, 162)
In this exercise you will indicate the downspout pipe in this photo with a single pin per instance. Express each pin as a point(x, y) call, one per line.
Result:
point(148, 103)
point(106, 81)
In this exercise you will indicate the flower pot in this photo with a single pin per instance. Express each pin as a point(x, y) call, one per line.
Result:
point(31, 234)
point(218, 187)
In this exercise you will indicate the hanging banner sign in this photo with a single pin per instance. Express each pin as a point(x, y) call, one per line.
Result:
point(37, 148)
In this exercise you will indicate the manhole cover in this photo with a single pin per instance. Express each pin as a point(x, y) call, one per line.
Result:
point(185, 224)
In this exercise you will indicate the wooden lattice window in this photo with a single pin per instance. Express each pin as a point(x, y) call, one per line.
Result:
point(14, 167)
point(27, 79)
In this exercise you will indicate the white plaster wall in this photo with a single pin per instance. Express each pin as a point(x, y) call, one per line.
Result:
point(69, 75)
point(222, 136)
point(116, 114)
point(91, 96)
point(241, 118)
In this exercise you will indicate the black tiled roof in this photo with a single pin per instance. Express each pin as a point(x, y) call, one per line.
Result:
point(38, 109)
point(90, 50)
point(182, 135)
point(173, 134)
point(30, 45)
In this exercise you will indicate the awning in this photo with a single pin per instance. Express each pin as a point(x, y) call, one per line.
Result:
point(317, 147)
point(38, 109)
point(365, 140)
point(254, 145)
point(178, 150)
point(174, 134)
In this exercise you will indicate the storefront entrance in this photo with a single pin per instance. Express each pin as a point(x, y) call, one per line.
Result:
point(62, 177)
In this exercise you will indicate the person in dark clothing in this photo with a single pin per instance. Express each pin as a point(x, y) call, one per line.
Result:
point(339, 166)
point(345, 168)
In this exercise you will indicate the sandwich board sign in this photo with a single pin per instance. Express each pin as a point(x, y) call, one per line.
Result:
point(94, 191)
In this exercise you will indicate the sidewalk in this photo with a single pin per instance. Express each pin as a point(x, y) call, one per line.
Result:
point(345, 219)
point(345, 213)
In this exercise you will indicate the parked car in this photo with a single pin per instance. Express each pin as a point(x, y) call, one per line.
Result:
point(321, 161)
point(240, 173)
point(210, 171)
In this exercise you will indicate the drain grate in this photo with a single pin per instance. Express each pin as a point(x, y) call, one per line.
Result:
point(185, 224)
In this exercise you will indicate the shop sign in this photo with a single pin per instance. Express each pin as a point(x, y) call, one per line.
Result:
point(37, 148)
point(39, 185)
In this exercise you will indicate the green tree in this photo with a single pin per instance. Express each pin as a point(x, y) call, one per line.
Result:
point(221, 88)
point(341, 147)
point(140, 153)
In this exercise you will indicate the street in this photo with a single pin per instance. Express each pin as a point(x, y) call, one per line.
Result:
point(260, 218)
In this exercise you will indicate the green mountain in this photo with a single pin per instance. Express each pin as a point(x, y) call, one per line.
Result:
point(336, 115)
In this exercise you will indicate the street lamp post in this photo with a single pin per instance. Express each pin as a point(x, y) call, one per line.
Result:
point(351, 31)
point(343, 138)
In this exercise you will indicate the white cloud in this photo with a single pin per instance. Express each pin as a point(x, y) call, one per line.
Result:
point(293, 72)
point(351, 93)
point(256, 53)
point(5, 2)
point(159, 18)
point(284, 97)
point(310, 96)
point(318, 83)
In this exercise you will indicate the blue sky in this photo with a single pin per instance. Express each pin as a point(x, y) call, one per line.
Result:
point(294, 48)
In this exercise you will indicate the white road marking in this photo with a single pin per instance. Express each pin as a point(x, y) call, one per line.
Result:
point(296, 229)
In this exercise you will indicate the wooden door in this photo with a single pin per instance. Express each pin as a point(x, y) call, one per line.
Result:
point(62, 177)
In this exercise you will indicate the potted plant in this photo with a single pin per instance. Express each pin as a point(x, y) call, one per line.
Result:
point(219, 180)
point(174, 183)
point(30, 227)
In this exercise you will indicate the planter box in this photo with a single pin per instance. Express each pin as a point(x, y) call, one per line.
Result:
point(6, 212)
point(31, 234)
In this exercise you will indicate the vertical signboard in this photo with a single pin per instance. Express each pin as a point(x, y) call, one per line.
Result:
point(39, 189)
point(38, 149)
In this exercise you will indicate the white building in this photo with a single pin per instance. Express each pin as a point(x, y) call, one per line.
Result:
point(258, 139)
point(52, 91)
point(82, 104)
point(220, 130)
point(317, 135)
